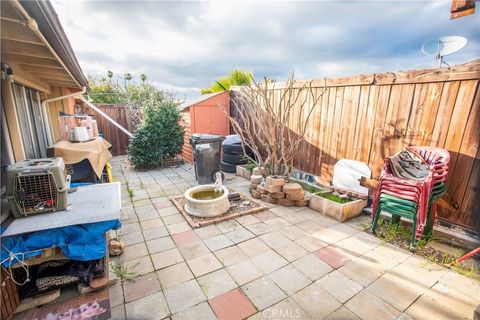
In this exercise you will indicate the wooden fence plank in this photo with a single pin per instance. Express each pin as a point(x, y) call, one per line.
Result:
point(427, 123)
point(320, 154)
point(367, 136)
point(311, 133)
point(459, 118)
point(337, 120)
point(390, 137)
point(361, 127)
point(346, 123)
point(352, 124)
point(403, 114)
point(444, 114)
point(413, 133)
point(377, 154)
point(327, 142)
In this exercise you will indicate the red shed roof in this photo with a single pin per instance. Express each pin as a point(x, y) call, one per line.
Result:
point(204, 97)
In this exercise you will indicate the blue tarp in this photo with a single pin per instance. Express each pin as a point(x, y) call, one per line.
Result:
point(81, 242)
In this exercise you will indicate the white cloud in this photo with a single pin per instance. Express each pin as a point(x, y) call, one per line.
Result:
point(184, 46)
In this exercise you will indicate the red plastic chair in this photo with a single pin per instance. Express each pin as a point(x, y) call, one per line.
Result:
point(432, 155)
point(439, 159)
point(424, 188)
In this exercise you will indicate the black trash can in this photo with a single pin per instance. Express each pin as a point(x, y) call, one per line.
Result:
point(206, 154)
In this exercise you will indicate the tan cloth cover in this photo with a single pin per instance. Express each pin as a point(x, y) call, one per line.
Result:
point(96, 151)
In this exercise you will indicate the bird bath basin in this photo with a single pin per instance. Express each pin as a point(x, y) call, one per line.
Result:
point(205, 201)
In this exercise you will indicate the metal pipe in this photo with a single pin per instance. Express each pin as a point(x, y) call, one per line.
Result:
point(106, 116)
point(44, 109)
point(464, 257)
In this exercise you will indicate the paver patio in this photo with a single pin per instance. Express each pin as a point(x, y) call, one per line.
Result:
point(284, 263)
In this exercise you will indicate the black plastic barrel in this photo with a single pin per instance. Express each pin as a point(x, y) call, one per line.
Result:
point(206, 154)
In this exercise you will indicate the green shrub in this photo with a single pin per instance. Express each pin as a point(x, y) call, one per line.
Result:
point(159, 137)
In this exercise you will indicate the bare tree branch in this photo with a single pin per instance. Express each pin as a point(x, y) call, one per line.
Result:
point(273, 120)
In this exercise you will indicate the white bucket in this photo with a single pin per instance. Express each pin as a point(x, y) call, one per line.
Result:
point(80, 134)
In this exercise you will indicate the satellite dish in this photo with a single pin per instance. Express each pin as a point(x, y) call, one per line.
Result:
point(443, 46)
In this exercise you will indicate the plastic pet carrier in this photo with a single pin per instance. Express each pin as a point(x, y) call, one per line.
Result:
point(36, 186)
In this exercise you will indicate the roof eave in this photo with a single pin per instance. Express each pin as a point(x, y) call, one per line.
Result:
point(49, 25)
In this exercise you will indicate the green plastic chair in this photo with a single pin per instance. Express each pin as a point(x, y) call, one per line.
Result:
point(398, 208)
point(437, 192)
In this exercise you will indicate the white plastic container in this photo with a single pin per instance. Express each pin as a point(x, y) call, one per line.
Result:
point(80, 134)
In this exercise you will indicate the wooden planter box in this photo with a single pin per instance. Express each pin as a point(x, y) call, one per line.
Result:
point(243, 172)
point(338, 211)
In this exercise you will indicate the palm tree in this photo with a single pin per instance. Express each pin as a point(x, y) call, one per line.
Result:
point(235, 78)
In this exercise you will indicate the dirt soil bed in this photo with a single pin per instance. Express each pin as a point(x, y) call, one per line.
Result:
point(400, 236)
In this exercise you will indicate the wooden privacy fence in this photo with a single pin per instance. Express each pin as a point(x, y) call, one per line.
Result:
point(369, 117)
point(111, 133)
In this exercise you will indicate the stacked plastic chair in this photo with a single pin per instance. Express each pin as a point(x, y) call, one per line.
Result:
point(410, 198)
point(438, 159)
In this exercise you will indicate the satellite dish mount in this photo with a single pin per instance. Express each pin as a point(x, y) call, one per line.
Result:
point(442, 47)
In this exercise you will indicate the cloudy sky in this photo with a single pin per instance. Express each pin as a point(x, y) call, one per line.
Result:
point(184, 46)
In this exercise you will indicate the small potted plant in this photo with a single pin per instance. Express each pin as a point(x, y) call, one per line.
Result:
point(339, 206)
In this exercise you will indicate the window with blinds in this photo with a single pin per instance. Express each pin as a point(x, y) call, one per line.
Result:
point(31, 119)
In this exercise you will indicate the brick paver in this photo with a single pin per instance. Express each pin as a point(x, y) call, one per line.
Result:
point(184, 296)
point(216, 283)
point(141, 287)
point(166, 258)
point(339, 286)
point(230, 255)
point(150, 307)
point(218, 242)
point(183, 238)
point(232, 305)
point(174, 275)
point(263, 292)
point(317, 302)
point(280, 263)
point(290, 279)
point(313, 267)
point(244, 271)
point(334, 257)
point(204, 264)
point(200, 311)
